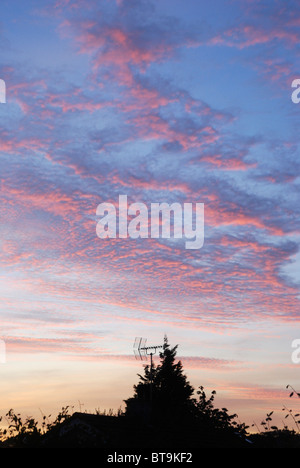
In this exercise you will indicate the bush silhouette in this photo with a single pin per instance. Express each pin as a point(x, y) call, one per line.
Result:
point(165, 411)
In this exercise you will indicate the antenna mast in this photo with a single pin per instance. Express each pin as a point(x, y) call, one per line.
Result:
point(142, 351)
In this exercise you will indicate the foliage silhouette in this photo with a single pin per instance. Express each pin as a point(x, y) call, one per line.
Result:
point(165, 411)
point(28, 432)
point(273, 436)
point(164, 388)
point(165, 396)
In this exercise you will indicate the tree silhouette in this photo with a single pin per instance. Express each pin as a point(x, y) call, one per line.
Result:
point(164, 388)
point(165, 396)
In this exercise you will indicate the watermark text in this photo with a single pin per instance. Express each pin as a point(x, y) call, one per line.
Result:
point(296, 93)
point(296, 352)
point(160, 220)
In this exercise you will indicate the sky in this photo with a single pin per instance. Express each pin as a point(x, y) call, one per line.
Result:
point(164, 102)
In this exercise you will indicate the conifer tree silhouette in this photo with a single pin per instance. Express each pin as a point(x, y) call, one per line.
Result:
point(171, 401)
point(165, 387)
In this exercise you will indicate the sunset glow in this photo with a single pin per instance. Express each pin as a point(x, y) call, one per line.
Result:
point(161, 102)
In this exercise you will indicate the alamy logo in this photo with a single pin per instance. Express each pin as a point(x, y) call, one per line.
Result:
point(160, 217)
point(2, 92)
point(296, 352)
point(295, 94)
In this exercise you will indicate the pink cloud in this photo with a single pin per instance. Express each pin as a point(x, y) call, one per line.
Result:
point(248, 35)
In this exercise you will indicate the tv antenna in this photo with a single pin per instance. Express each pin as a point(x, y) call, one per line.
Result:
point(141, 351)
